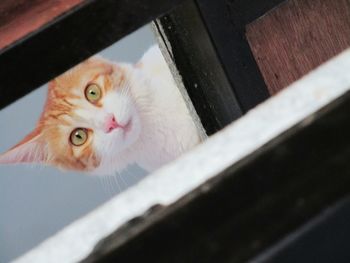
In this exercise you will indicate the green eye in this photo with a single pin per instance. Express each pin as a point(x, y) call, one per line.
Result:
point(78, 136)
point(93, 93)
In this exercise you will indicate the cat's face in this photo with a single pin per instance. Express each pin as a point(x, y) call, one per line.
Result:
point(89, 118)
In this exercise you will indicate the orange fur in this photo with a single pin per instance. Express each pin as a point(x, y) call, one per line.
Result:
point(129, 114)
point(65, 95)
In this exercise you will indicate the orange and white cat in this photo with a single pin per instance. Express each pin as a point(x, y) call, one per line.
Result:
point(101, 116)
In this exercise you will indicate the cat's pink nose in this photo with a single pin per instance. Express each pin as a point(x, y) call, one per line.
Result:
point(110, 123)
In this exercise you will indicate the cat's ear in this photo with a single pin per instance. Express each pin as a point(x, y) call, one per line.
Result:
point(30, 150)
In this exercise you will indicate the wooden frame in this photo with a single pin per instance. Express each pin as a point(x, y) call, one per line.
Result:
point(245, 188)
point(241, 86)
point(237, 194)
point(296, 37)
point(70, 38)
point(228, 83)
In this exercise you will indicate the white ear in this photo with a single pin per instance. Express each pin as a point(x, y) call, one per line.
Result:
point(29, 150)
point(154, 63)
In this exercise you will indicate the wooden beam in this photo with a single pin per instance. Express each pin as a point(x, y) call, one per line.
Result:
point(189, 46)
point(297, 36)
point(241, 191)
point(21, 17)
point(59, 43)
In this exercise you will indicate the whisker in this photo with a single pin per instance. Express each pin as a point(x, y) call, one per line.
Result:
point(103, 184)
point(110, 183)
point(116, 182)
point(136, 178)
point(108, 186)
point(121, 177)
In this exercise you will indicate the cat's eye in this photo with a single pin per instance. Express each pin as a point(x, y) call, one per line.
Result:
point(93, 93)
point(78, 136)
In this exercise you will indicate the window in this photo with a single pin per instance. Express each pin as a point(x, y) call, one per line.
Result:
point(248, 186)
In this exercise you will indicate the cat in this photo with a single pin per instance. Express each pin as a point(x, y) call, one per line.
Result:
point(101, 116)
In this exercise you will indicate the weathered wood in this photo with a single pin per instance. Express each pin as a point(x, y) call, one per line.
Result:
point(21, 17)
point(296, 37)
point(69, 39)
point(225, 21)
point(324, 239)
point(189, 45)
point(241, 191)
point(207, 42)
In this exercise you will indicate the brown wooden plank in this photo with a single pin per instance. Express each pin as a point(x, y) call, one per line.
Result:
point(21, 17)
point(298, 36)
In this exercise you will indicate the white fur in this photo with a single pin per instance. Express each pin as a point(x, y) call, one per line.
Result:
point(162, 127)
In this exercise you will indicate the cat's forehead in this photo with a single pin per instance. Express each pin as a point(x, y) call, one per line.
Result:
point(66, 92)
point(83, 73)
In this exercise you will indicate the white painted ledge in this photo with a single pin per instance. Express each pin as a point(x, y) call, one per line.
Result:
point(166, 186)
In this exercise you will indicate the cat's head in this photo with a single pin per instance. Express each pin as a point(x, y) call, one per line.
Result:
point(89, 118)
